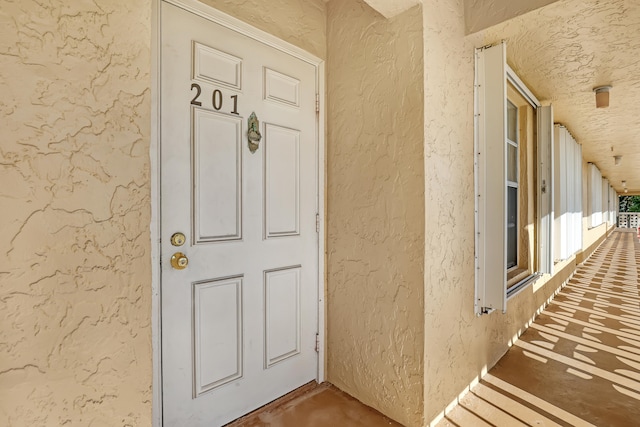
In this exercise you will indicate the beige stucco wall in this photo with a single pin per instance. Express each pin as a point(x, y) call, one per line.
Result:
point(459, 347)
point(482, 14)
point(300, 22)
point(75, 282)
point(375, 203)
point(75, 300)
point(75, 276)
point(453, 355)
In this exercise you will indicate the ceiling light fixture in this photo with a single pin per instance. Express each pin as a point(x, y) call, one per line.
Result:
point(602, 96)
point(624, 183)
point(617, 159)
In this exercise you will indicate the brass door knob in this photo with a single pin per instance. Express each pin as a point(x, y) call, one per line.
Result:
point(179, 261)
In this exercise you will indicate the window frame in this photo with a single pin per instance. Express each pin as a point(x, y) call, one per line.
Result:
point(513, 184)
point(492, 77)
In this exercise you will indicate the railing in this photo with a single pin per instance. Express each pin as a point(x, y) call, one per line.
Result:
point(628, 219)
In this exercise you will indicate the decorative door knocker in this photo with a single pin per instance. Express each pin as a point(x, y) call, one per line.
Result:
point(254, 133)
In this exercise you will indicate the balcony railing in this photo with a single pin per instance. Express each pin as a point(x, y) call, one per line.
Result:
point(629, 219)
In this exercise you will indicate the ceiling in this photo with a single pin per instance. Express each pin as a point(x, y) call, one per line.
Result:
point(562, 51)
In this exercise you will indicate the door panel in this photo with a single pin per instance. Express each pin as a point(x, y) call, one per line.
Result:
point(282, 180)
point(217, 176)
point(281, 88)
point(214, 66)
point(282, 314)
point(239, 322)
point(217, 333)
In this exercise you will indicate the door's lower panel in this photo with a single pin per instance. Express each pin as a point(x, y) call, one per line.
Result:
point(217, 333)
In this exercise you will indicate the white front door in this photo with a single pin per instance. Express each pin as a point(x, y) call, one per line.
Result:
point(239, 322)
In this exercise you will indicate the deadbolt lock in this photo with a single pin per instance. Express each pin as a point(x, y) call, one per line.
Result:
point(178, 239)
point(179, 261)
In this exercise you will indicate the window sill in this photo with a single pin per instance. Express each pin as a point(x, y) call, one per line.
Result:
point(526, 280)
point(515, 274)
point(591, 227)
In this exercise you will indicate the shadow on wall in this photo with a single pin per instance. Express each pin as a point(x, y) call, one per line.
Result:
point(579, 363)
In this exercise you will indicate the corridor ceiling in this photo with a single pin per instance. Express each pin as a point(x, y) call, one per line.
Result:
point(562, 51)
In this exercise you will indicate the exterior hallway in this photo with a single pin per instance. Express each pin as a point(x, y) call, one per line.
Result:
point(315, 406)
point(578, 364)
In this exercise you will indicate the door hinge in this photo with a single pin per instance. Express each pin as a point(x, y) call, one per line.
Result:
point(317, 102)
point(317, 343)
point(317, 223)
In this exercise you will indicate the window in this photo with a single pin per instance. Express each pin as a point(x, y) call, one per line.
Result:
point(512, 185)
point(520, 184)
point(510, 233)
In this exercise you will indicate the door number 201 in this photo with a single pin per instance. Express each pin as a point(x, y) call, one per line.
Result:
point(216, 99)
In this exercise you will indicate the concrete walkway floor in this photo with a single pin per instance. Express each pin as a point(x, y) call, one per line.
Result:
point(315, 405)
point(579, 362)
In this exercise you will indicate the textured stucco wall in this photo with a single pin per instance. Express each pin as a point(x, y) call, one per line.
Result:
point(558, 51)
point(300, 22)
point(391, 8)
point(481, 14)
point(75, 286)
point(459, 346)
point(375, 202)
point(75, 281)
point(453, 355)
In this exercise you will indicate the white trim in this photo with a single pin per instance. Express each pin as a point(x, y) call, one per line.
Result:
point(546, 200)
point(492, 75)
point(490, 174)
point(522, 88)
point(154, 156)
point(476, 184)
point(234, 24)
point(594, 193)
point(228, 21)
point(321, 182)
point(522, 285)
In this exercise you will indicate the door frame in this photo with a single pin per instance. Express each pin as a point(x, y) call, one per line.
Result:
point(235, 24)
